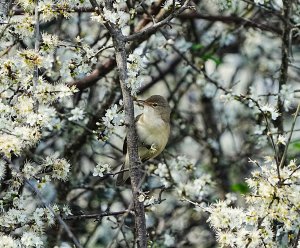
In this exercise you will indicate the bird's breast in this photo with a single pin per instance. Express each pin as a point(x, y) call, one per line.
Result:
point(153, 131)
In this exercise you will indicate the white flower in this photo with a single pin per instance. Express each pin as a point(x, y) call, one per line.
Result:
point(29, 171)
point(225, 238)
point(110, 15)
point(7, 242)
point(169, 240)
point(77, 114)
point(169, 3)
point(10, 144)
point(123, 18)
point(37, 215)
point(112, 117)
point(135, 65)
point(50, 41)
point(230, 198)
point(24, 105)
point(281, 140)
point(287, 96)
point(66, 210)
point(100, 169)
point(162, 170)
point(270, 109)
point(30, 239)
point(60, 167)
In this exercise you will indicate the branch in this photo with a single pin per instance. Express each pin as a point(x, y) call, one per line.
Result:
point(96, 216)
point(106, 67)
point(132, 138)
point(231, 19)
point(151, 30)
point(290, 136)
point(98, 73)
point(285, 47)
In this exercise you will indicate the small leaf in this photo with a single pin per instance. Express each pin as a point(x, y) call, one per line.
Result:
point(296, 145)
point(212, 57)
point(240, 188)
point(196, 47)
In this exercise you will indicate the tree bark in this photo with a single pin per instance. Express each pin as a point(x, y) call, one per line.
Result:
point(132, 139)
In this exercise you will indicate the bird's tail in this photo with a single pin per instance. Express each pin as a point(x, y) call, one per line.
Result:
point(122, 176)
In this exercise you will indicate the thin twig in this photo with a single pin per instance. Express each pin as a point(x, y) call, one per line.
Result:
point(97, 216)
point(290, 136)
point(151, 30)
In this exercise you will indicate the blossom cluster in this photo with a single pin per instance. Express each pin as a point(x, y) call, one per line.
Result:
point(101, 169)
point(20, 212)
point(189, 181)
point(135, 66)
point(26, 101)
point(273, 199)
point(49, 9)
point(116, 15)
point(30, 88)
point(113, 118)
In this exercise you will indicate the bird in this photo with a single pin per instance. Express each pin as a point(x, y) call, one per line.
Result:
point(153, 131)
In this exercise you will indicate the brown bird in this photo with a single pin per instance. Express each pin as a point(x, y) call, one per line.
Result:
point(153, 130)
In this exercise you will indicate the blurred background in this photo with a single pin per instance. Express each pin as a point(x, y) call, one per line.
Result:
point(215, 63)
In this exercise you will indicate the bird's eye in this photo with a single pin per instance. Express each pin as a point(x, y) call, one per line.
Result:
point(154, 104)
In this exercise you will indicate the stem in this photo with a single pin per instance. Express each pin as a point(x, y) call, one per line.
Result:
point(285, 47)
point(290, 136)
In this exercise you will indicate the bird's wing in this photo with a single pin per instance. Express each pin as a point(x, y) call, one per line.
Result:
point(123, 176)
point(125, 140)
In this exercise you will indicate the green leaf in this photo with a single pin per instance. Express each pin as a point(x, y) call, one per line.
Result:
point(196, 47)
point(240, 188)
point(210, 56)
point(296, 145)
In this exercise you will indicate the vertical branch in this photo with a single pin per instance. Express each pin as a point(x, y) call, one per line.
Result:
point(285, 47)
point(132, 139)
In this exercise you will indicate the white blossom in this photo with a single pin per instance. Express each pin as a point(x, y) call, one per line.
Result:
point(169, 3)
point(287, 96)
point(77, 114)
point(29, 170)
point(60, 167)
point(161, 170)
point(30, 239)
point(101, 169)
point(281, 139)
point(7, 242)
point(238, 226)
point(267, 108)
point(169, 241)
